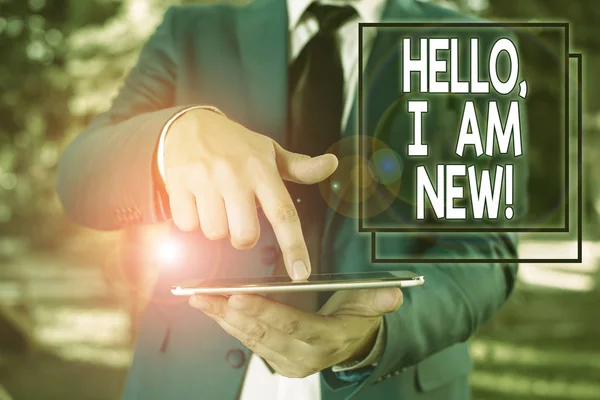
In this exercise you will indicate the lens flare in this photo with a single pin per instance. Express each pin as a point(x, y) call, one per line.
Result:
point(168, 252)
point(370, 180)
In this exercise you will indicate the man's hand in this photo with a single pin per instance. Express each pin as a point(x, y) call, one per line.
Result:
point(217, 172)
point(295, 343)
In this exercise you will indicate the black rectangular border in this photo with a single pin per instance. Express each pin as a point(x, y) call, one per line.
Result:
point(567, 56)
point(578, 259)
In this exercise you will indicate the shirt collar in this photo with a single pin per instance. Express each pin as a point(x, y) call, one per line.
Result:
point(368, 10)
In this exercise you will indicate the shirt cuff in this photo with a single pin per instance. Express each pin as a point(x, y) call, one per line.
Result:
point(160, 153)
point(371, 360)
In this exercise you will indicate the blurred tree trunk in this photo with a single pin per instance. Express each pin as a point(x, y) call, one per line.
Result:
point(16, 333)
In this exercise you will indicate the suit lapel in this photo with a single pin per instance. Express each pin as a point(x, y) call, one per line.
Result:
point(380, 88)
point(261, 34)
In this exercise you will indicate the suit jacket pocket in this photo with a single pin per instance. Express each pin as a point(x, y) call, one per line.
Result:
point(443, 367)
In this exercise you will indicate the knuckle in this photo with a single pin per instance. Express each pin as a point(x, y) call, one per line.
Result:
point(286, 213)
point(258, 332)
point(312, 338)
point(297, 248)
point(173, 178)
point(197, 184)
point(222, 168)
point(195, 175)
point(291, 327)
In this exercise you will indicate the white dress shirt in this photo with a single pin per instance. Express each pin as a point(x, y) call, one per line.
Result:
point(260, 383)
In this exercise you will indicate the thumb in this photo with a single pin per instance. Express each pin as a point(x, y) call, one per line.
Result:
point(300, 168)
point(387, 300)
point(365, 302)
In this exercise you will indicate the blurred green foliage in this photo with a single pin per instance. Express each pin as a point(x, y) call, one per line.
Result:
point(583, 17)
point(62, 62)
point(33, 92)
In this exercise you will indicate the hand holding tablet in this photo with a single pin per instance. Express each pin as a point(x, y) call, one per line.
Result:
point(316, 282)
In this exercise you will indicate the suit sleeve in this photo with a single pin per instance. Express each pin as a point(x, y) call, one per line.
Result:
point(107, 174)
point(455, 301)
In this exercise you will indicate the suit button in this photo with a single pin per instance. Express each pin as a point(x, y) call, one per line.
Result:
point(236, 358)
point(268, 255)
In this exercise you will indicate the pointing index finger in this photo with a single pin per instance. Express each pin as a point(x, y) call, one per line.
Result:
point(283, 216)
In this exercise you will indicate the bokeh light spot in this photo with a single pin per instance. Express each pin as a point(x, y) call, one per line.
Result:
point(386, 166)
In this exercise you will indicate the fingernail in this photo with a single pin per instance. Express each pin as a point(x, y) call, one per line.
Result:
point(299, 270)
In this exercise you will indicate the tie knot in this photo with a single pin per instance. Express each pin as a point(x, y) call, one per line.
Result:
point(330, 17)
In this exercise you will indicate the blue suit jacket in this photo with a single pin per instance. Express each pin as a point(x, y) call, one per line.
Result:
point(235, 58)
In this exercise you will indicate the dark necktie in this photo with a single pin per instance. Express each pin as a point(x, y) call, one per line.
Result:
point(316, 82)
point(316, 104)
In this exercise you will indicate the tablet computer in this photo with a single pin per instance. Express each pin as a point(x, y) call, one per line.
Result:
point(316, 282)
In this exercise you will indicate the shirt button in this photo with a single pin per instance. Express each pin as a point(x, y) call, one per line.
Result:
point(268, 255)
point(236, 358)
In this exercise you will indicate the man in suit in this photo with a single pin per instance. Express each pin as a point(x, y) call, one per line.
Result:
point(233, 106)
